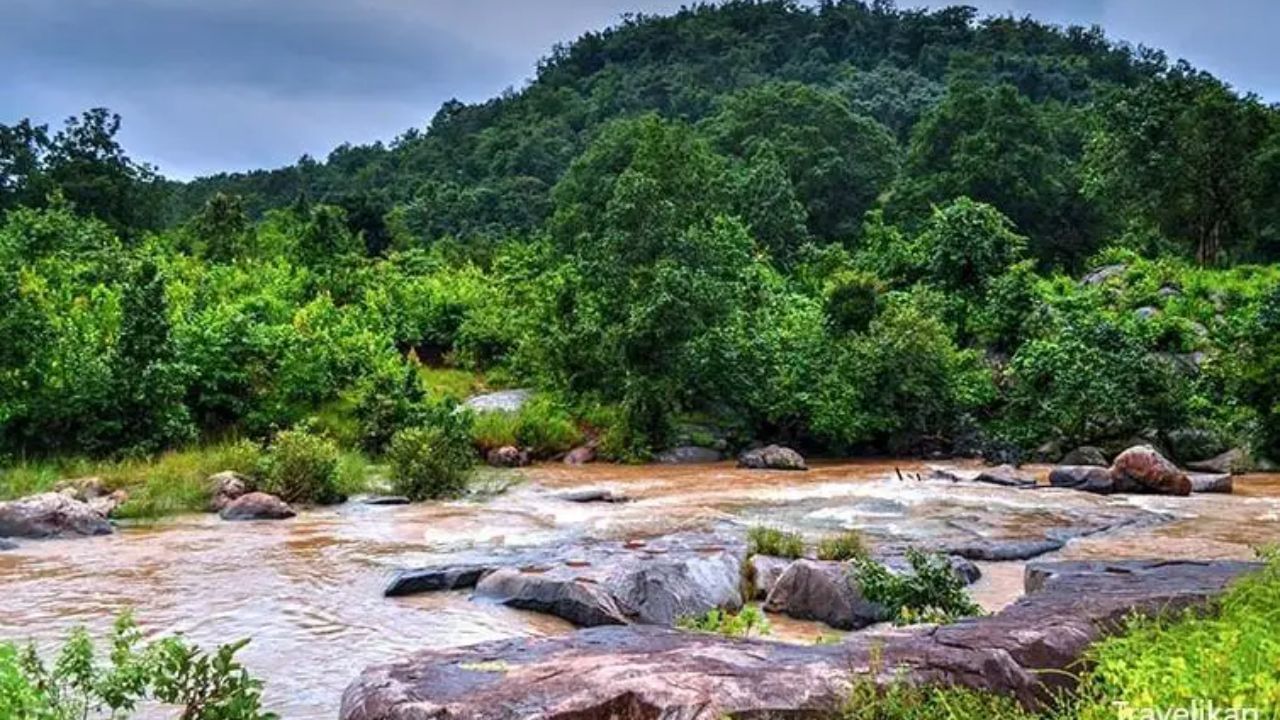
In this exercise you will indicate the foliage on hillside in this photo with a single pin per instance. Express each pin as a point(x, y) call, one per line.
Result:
point(846, 226)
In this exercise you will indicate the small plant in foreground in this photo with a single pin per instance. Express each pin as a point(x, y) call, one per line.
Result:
point(931, 592)
point(746, 622)
point(764, 540)
point(77, 687)
point(430, 462)
point(903, 700)
point(846, 545)
point(303, 467)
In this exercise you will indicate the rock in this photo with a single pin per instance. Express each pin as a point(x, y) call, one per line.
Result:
point(385, 500)
point(507, 456)
point(592, 495)
point(581, 455)
point(1086, 455)
point(1026, 652)
point(83, 489)
point(106, 505)
point(7, 545)
point(1002, 550)
point(688, 455)
point(1188, 364)
point(772, 457)
point(657, 582)
point(51, 514)
point(964, 569)
point(1231, 461)
point(1211, 483)
point(228, 486)
point(823, 591)
point(1194, 444)
point(1142, 469)
point(1147, 312)
point(1088, 478)
point(763, 573)
point(257, 506)
point(1004, 476)
point(1102, 274)
point(1049, 452)
point(1168, 291)
point(422, 580)
point(501, 401)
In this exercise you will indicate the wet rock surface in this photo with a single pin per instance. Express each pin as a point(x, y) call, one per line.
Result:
point(1088, 478)
point(1211, 483)
point(1143, 469)
point(653, 672)
point(823, 591)
point(688, 455)
point(772, 457)
point(385, 500)
point(50, 515)
point(592, 495)
point(257, 506)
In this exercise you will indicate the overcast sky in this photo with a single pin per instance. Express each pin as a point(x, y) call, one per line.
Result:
point(212, 85)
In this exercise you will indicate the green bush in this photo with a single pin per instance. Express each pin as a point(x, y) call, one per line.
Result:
point(77, 687)
point(847, 545)
point(302, 467)
point(931, 592)
point(905, 700)
point(744, 623)
point(430, 462)
point(764, 540)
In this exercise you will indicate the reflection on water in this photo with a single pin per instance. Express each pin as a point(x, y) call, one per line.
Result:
point(309, 590)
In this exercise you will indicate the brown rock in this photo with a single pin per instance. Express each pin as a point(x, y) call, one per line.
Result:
point(581, 455)
point(1211, 483)
point(772, 457)
point(1141, 469)
point(507, 456)
point(257, 506)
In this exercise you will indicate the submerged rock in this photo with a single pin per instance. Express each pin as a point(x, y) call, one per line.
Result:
point(772, 457)
point(688, 455)
point(1004, 476)
point(1086, 455)
point(593, 495)
point(51, 514)
point(1143, 469)
point(649, 672)
point(385, 500)
point(1088, 478)
point(257, 506)
point(1004, 550)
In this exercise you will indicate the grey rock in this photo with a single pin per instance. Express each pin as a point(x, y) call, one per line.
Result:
point(764, 571)
point(1102, 274)
point(772, 457)
point(1049, 452)
point(7, 545)
point(823, 591)
point(1086, 455)
point(51, 515)
point(577, 600)
point(1026, 652)
point(257, 506)
point(507, 456)
point(688, 455)
point(501, 401)
point(592, 495)
point(227, 487)
point(1211, 483)
point(581, 455)
point(1004, 550)
point(433, 579)
point(383, 500)
point(1089, 478)
point(963, 567)
point(1004, 476)
point(1147, 312)
point(1231, 461)
point(1187, 444)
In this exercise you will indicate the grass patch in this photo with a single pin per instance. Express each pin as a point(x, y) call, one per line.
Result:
point(450, 382)
point(745, 623)
point(904, 701)
point(542, 425)
point(764, 540)
point(846, 545)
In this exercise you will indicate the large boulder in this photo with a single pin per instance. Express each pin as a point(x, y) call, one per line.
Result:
point(1141, 469)
point(576, 599)
point(1188, 444)
point(507, 456)
point(688, 455)
point(772, 457)
point(257, 506)
point(1231, 461)
point(52, 514)
point(1086, 455)
point(823, 591)
point(1026, 651)
point(763, 572)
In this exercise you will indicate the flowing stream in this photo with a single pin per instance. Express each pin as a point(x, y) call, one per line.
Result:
point(308, 591)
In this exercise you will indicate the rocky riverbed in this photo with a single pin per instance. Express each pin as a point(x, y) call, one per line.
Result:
point(310, 590)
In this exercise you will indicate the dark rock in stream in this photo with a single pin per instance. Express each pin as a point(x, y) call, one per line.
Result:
point(1088, 478)
point(646, 672)
point(688, 455)
point(385, 500)
point(434, 579)
point(1002, 476)
point(772, 457)
point(592, 495)
point(51, 514)
point(1005, 550)
point(1211, 483)
point(257, 506)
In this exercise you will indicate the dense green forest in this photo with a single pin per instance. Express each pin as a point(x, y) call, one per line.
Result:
point(846, 226)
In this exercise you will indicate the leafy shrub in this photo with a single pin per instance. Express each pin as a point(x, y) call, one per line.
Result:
point(847, 545)
point(931, 592)
point(302, 467)
point(764, 540)
point(76, 687)
point(430, 462)
point(750, 620)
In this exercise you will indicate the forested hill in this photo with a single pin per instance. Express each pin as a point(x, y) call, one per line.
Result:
point(1000, 109)
point(846, 227)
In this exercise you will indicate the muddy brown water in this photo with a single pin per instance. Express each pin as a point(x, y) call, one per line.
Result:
point(308, 591)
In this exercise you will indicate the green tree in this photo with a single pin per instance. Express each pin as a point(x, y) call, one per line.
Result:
point(968, 243)
point(221, 231)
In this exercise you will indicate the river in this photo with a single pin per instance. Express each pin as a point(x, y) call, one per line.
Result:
point(308, 591)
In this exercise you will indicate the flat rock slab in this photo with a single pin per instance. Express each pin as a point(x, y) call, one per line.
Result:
point(52, 515)
point(385, 500)
point(1211, 483)
point(647, 672)
point(593, 495)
